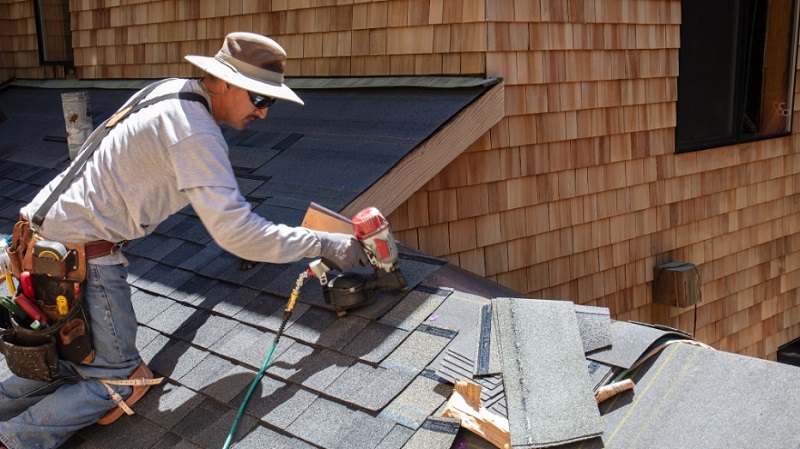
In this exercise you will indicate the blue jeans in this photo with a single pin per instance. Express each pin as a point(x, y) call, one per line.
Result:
point(41, 415)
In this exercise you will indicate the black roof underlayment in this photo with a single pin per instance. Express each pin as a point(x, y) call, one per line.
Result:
point(379, 376)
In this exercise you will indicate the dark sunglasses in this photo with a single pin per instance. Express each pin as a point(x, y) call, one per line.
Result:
point(261, 101)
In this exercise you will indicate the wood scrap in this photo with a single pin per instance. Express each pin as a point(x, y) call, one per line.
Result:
point(612, 390)
point(320, 218)
point(465, 405)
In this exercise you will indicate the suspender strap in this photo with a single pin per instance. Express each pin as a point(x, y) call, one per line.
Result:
point(89, 147)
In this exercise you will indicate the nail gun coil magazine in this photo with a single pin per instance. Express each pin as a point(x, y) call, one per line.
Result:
point(346, 291)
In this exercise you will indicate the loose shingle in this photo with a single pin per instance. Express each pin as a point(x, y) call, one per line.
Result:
point(341, 332)
point(197, 261)
point(594, 324)
point(549, 397)
point(629, 342)
point(136, 432)
point(138, 266)
point(215, 295)
point(155, 273)
point(263, 274)
point(191, 290)
point(235, 301)
point(182, 253)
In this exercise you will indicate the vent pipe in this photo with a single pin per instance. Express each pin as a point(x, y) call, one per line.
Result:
point(78, 120)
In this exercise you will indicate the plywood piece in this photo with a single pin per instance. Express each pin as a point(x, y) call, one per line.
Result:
point(322, 219)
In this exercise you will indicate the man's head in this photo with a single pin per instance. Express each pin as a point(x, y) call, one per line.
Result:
point(246, 75)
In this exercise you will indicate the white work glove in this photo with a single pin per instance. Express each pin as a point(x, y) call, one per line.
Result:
point(341, 251)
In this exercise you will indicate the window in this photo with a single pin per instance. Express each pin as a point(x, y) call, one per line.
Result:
point(736, 71)
point(53, 31)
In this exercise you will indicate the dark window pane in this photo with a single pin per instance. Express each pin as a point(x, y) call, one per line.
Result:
point(53, 25)
point(706, 81)
point(736, 71)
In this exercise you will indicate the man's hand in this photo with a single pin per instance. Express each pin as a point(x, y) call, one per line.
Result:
point(341, 251)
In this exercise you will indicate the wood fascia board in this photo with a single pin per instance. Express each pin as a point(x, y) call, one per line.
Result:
point(433, 155)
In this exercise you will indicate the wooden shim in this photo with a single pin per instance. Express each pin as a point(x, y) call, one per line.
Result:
point(465, 405)
point(320, 218)
point(433, 155)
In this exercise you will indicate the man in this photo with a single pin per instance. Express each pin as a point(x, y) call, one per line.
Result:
point(152, 164)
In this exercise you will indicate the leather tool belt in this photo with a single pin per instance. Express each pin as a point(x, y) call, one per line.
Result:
point(55, 275)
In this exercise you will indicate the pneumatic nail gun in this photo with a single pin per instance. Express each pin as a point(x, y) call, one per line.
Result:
point(345, 291)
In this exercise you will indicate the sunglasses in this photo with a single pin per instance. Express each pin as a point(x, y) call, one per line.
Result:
point(261, 101)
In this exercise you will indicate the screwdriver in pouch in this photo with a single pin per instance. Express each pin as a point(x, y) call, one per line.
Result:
point(27, 284)
point(15, 310)
point(33, 312)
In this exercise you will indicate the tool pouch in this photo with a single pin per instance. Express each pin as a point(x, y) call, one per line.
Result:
point(34, 354)
point(23, 258)
point(35, 359)
point(59, 286)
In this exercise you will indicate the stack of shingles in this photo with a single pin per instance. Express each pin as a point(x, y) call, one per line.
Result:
point(540, 362)
point(530, 358)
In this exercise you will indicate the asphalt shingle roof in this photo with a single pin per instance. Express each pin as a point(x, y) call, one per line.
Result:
point(379, 376)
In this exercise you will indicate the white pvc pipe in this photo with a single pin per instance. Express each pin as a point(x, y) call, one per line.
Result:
point(78, 120)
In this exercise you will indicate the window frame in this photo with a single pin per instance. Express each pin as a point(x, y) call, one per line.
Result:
point(42, 30)
point(736, 76)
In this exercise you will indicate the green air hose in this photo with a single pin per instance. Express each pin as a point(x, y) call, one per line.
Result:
point(286, 314)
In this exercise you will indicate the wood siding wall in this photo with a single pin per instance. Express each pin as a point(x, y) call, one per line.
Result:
point(577, 193)
point(19, 46)
point(137, 39)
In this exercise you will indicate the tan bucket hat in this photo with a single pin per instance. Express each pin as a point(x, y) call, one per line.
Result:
point(252, 62)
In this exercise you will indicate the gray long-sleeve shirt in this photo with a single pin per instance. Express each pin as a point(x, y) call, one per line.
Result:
point(151, 165)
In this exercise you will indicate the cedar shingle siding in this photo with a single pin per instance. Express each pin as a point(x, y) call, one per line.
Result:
point(576, 193)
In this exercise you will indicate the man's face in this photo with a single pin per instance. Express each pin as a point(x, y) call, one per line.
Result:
point(237, 109)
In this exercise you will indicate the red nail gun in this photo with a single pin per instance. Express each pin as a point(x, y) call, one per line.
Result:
point(347, 290)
